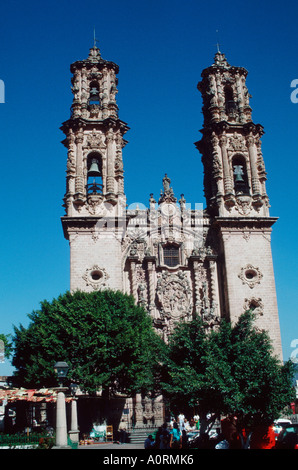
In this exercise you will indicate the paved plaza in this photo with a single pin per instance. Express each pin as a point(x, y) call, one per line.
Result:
point(112, 446)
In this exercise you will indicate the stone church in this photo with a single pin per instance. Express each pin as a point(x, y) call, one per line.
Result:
point(173, 259)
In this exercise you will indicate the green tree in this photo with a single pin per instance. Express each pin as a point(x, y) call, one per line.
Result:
point(230, 371)
point(107, 340)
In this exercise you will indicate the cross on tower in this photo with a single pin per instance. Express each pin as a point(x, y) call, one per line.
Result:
point(94, 38)
point(217, 44)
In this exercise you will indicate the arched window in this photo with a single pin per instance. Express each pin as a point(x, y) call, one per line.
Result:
point(94, 94)
point(240, 175)
point(229, 101)
point(94, 174)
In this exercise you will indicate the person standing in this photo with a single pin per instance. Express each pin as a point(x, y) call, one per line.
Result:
point(164, 437)
point(149, 442)
point(175, 441)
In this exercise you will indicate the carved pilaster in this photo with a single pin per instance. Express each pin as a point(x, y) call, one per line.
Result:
point(196, 264)
point(253, 164)
point(213, 284)
point(133, 281)
point(80, 183)
point(151, 261)
point(228, 185)
point(110, 162)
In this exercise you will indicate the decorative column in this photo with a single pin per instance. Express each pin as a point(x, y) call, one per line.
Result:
point(253, 165)
point(213, 282)
point(139, 411)
point(105, 94)
point(228, 185)
point(196, 263)
point(80, 186)
point(133, 259)
point(119, 164)
point(74, 431)
point(110, 162)
point(151, 260)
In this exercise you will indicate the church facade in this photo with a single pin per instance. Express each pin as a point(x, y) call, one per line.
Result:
point(174, 260)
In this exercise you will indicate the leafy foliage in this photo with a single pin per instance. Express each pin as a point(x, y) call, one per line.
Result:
point(229, 371)
point(107, 340)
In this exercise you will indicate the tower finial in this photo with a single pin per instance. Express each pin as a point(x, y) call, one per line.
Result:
point(94, 38)
point(217, 43)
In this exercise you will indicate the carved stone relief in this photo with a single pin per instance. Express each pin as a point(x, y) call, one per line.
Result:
point(254, 304)
point(237, 143)
point(174, 295)
point(96, 277)
point(250, 275)
point(243, 204)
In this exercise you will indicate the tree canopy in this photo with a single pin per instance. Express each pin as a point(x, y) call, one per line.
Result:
point(106, 339)
point(229, 371)
point(110, 343)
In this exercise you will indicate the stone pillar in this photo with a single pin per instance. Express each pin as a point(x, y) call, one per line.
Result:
point(139, 411)
point(159, 411)
point(61, 426)
point(253, 165)
point(133, 284)
point(196, 262)
point(228, 186)
point(74, 431)
point(213, 284)
point(151, 287)
point(80, 186)
point(110, 162)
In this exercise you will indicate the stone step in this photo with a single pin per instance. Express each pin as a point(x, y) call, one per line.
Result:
point(138, 435)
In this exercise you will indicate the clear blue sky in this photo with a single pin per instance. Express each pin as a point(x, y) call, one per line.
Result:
point(161, 47)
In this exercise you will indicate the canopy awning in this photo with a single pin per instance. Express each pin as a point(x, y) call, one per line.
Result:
point(22, 394)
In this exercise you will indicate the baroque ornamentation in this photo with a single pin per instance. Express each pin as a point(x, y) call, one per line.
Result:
point(167, 195)
point(95, 141)
point(174, 295)
point(95, 205)
point(237, 142)
point(243, 204)
point(254, 304)
point(250, 275)
point(96, 277)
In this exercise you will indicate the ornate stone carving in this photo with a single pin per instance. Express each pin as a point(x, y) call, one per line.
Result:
point(243, 204)
point(237, 142)
point(95, 205)
point(174, 295)
point(167, 195)
point(95, 141)
point(96, 277)
point(254, 304)
point(250, 275)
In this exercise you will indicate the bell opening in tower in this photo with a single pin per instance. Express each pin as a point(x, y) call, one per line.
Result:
point(94, 95)
point(231, 106)
point(94, 174)
point(240, 175)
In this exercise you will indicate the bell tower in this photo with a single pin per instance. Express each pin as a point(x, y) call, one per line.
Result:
point(94, 198)
point(236, 197)
point(234, 169)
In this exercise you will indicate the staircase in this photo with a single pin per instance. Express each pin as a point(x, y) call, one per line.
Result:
point(139, 435)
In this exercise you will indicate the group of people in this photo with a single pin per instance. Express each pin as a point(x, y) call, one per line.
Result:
point(174, 436)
